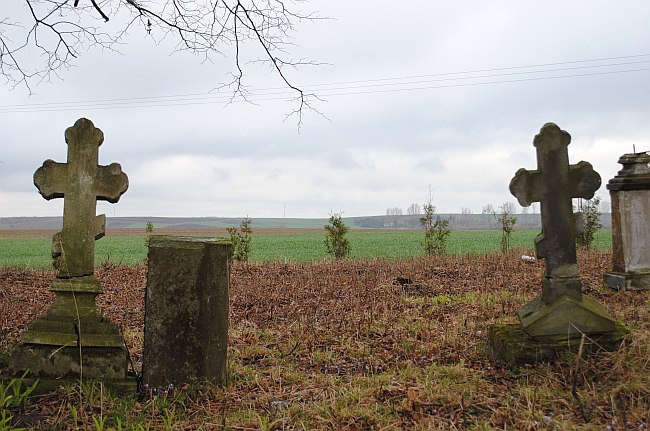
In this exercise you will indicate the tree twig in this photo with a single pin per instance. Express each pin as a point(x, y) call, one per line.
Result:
point(58, 30)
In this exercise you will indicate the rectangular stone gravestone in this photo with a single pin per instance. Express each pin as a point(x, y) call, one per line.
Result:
point(555, 321)
point(630, 196)
point(73, 340)
point(186, 311)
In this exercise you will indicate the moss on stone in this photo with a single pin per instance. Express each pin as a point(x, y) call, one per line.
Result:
point(510, 344)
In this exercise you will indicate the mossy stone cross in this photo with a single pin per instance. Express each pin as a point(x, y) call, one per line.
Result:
point(81, 182)
point(554, 184)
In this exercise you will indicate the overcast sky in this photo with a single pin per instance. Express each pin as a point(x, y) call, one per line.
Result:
point(399, 115)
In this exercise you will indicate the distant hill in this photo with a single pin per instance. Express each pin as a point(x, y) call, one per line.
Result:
point(456, 222)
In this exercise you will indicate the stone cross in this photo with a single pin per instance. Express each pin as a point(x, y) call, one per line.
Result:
point(556, 322)
point(554, 184)
point(81, 182)
point(73, 340)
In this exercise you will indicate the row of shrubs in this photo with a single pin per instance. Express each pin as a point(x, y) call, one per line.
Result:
point(436, 231)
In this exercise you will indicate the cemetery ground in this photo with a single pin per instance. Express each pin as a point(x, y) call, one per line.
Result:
point(359, 344)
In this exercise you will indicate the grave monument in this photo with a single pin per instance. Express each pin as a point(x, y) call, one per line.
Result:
point(557, 319)
point(186, 311)
point(630, 196)
point(73, 340)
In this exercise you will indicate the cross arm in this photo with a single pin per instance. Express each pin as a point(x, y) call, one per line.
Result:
point(525, 187)
point(584, 179)
point(51, 179)
point(111, 183)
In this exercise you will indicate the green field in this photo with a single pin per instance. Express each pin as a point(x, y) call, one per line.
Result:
point(302, 247)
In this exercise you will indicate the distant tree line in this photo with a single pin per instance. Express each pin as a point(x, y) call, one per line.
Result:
point(527, 217)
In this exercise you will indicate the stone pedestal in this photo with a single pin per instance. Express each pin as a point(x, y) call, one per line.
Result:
point(186, 310)
point(630, 196)
point(73, 341)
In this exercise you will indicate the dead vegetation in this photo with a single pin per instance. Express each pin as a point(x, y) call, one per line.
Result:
point(363, 345)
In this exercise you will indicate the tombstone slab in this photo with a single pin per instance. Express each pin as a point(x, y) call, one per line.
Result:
point(561, 313)
point(73, 340)
point(630, 199)
point(186, 310)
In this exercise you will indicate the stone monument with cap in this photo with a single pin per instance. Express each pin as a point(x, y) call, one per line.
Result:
point(630, 196)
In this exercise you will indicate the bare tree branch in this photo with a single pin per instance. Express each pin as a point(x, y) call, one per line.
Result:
point(59, 31)
point(97, 8)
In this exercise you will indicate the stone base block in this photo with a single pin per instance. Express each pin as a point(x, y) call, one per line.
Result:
point(628, 281)
point(50, 352)
point(126, 386)
point(46, 361)
point(73, 332)
point(55, 366)
point(565, 316)
point(509, 343)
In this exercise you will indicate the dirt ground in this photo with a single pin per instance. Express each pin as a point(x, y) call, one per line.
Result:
point(299, 331)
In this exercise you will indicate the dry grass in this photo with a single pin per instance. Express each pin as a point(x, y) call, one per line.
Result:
point(340, 345)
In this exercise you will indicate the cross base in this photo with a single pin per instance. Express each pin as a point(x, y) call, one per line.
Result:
point(72, 341)
point(628, 280)
point(510, 344)
point(565, 317)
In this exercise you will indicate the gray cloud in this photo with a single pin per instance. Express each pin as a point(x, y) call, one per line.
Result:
point(378, 148)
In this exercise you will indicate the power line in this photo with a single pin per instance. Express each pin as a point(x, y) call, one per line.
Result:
point(489, 70)
point(260, 92)
point(285, 91)
point(485, 76)
point(196, 101)
point(376, 86)
point(508, 81)
point(192, 102)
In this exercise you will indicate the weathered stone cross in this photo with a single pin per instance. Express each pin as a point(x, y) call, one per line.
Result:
point(561, 310)
point(554, 184)
point(559, 320)
point(73, 340)
point(81, 182)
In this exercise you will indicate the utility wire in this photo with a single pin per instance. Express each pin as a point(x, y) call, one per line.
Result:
point(191, 102)
point(259, 92)
point(285, 91)
point(368, 86)
point(483, 70)
point(323, 91)
point(392, 90)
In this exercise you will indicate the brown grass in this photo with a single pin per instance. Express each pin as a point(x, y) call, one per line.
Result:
point(339, 345)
